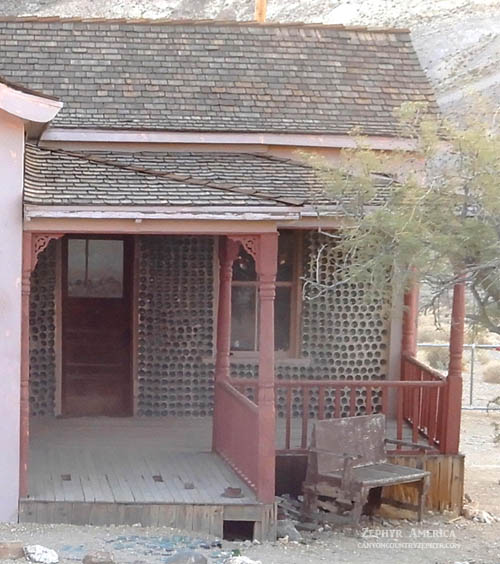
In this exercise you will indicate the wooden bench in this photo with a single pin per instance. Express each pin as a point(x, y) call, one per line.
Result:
point(347, 462)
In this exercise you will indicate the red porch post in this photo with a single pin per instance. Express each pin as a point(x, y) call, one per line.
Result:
point(266, 265)
point(228, 251)
point(453, 400)
point(25, 364)
point(33, 245)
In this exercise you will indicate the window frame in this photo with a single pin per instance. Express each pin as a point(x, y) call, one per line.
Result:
point(294, 349)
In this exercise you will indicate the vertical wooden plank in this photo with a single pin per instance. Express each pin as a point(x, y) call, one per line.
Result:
point(424, 406)
point(321, 403)
point(216, 522)
point(369, 406)
point(81, 513)
point(399, 414)
point(338, 411)
point(431, 466)
point(305, 416)
point(444, 482)
point(352, 401)
point(457, 484)
point(432, 416)
point(288, 423)
point(415, 398)
point(385, 391)
point(440, 415)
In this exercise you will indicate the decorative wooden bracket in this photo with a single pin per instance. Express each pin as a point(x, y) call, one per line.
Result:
point(251, 245)
point(39, 243)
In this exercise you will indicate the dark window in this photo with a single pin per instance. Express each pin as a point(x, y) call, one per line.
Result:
point(245, 306)
point(95, 268)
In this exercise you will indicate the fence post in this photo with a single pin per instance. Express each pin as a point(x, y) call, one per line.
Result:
point(471, 381)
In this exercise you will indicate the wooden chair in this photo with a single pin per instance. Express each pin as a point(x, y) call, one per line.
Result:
point(347, 458)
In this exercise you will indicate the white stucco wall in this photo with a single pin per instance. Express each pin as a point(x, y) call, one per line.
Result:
point(11, 185)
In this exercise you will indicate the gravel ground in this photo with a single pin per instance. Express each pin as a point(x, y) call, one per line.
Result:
point(437, 539)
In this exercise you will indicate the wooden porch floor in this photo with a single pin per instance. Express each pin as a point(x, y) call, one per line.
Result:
point(163, 460)
point(129, 460)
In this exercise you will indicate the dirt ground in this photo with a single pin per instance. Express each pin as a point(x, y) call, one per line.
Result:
point(440, 539)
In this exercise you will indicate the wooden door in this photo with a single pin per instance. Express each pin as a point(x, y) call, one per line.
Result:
point(96, 333)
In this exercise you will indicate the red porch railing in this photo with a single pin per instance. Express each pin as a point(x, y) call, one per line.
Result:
point(238, 439)
point(422, 406)
point(416, 402)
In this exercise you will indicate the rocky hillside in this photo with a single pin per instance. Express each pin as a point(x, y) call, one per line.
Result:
point(458, 41)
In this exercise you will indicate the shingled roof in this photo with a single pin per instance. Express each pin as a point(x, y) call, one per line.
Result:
point(62, 178)
point(213, 76)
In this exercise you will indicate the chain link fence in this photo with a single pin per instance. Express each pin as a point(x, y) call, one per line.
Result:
point(480, 372)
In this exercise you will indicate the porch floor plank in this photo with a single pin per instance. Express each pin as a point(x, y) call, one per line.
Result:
point(102, 491)
point(162, 490)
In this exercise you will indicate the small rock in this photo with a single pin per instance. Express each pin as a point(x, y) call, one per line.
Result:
point(242, 560)
point(99, 557)
point(42, 554)
point(187, 557)
point(205, 545)
point(478, 515)
point(10, 550)
point(484, 517)
point(286, 528)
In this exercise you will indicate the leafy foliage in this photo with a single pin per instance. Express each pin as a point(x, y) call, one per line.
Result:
point(431, 209)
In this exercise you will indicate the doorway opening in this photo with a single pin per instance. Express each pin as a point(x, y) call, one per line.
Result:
point(96, 326)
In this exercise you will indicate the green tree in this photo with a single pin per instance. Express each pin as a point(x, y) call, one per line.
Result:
point(431, 209)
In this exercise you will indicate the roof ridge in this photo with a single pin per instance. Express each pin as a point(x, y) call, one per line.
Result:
point(215, 22)
point(173, 177)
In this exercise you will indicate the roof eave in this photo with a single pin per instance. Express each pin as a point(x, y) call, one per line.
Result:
point(91, 135)
point(139, 213)
point(34, 109)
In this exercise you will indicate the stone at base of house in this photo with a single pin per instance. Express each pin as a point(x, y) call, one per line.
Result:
point(11, 550)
